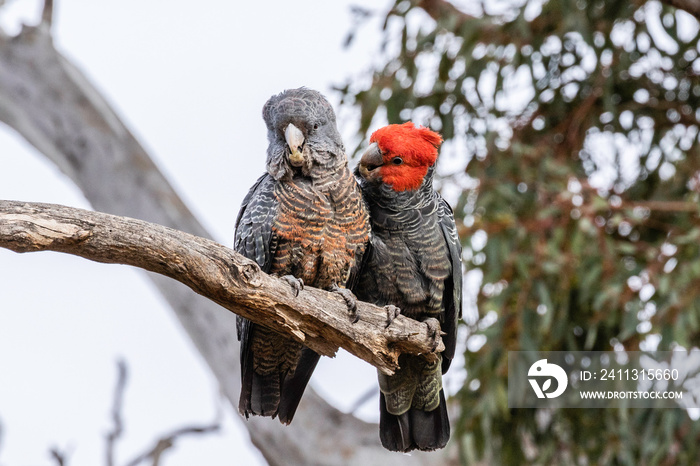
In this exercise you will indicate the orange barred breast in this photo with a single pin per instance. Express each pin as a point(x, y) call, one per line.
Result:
point(321, 232)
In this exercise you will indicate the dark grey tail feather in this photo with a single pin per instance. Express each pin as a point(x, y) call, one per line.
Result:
point(430, 429)
point(293, 387)
point(394, 431)
point(272, 395)
point(260, 394)
point(244, 404)
point(265, 394)
point(415, 429)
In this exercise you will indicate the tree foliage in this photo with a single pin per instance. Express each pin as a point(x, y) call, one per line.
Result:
point(576, 124)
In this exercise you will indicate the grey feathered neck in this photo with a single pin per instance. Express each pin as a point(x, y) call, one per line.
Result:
point(385, 197)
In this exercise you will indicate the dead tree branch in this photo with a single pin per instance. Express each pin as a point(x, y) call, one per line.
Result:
point(118, 425)
point(168, 441)
point(163, 444)
point(442, 9)
point(316, 318)
point(61, 458)
point(47, 14)
point(689, 6)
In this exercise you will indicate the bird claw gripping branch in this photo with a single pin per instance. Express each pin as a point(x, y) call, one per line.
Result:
point(296, 283)
point(350, 301)
point(433, 330)
point(392, 312)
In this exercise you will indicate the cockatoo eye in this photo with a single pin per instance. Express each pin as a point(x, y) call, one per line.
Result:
point(397, 160)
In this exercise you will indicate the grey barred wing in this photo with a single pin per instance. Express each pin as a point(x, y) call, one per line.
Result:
point(452, 297)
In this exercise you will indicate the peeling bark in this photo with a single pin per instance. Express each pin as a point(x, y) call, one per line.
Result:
point(316, 318)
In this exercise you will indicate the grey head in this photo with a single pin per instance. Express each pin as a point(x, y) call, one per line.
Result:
point(302, 135)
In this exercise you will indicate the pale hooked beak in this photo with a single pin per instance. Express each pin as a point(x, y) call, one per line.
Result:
point(370, 161)
point(295, 140)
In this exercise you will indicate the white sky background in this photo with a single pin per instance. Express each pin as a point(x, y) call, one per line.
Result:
point(190, 81)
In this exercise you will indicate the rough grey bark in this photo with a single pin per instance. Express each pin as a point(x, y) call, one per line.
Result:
point(316, 318)
point(52, 105)
point(444, 8)
point(689, 6)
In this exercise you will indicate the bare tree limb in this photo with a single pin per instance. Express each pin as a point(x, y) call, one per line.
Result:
point(165, 443)
point(118, 425)
point(162, 444)
point(47, 14)
point(441, 9)
point(689, 6)
point(60, 457)
point(56, 109)
point(372, 392)
point(316, 318)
